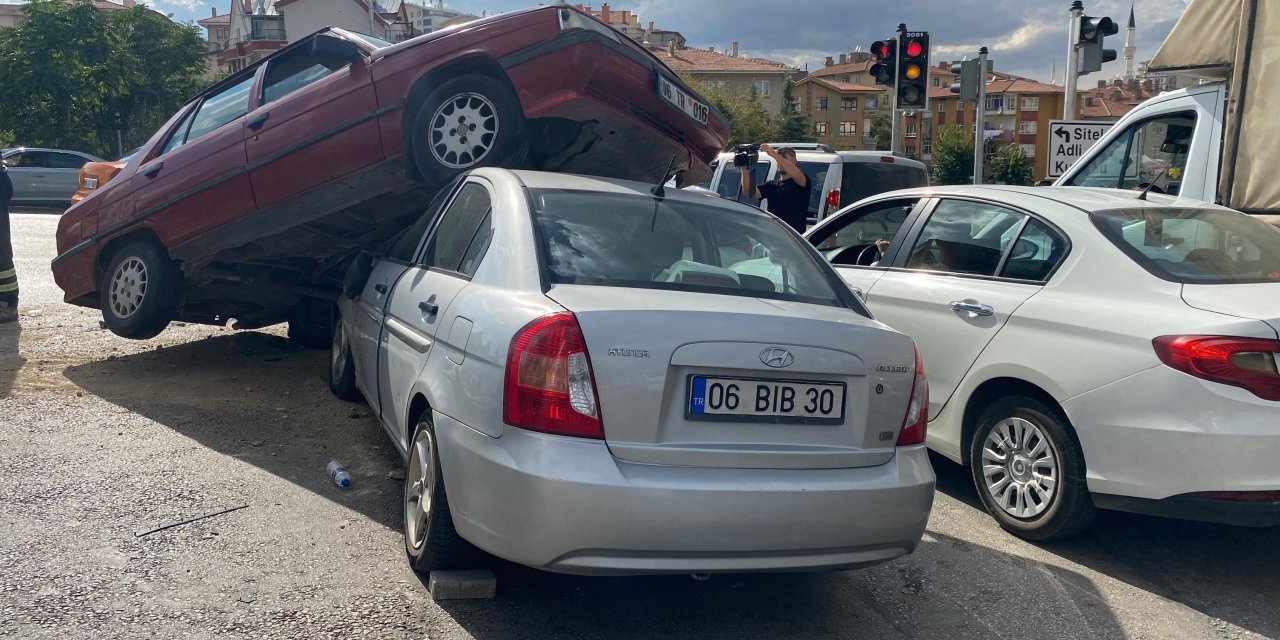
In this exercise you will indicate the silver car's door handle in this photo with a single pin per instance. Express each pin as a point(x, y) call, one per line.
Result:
point(969, 306)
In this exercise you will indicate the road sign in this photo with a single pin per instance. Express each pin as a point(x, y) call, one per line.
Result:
point(1070, 139)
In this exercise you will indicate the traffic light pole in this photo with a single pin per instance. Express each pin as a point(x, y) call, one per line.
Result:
point(980, 117)
point(1073, 72)
point(896, 147)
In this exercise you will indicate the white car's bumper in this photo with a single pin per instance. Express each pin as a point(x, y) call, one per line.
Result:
point(567, 505)
point(1156, 441)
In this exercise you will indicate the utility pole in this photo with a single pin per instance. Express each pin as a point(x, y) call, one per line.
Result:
point(896, 147)
point(371, 25)
point(979, 118)
point(1073, 71)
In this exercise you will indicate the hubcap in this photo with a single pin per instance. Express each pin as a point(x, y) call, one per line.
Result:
point(128, 287)
point(419, 486)
point(463, 130)
point(1020, 468)
point(338, 355)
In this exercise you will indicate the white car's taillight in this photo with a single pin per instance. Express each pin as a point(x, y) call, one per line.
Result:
point(1249, 363)
point(916, 422)
point(549, 383)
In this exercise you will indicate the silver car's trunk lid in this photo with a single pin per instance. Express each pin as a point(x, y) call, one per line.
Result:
point(649, 349)
point(1258, 301)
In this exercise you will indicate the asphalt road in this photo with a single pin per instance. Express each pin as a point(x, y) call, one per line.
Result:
point(102, 437)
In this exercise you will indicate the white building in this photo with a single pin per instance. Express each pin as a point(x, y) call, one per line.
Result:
point(304, 17)
point(427, 18)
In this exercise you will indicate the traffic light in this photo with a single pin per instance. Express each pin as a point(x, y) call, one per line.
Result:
point(913, 70)
point(1092, 31)
point(969, 72)
point(886, 55)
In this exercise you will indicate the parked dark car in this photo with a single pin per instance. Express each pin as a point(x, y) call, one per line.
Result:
point(249, 203)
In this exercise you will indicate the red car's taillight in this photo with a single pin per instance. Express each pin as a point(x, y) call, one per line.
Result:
point(916, 422)
point(833, 201)
point(549, 386)
point(1249, 363)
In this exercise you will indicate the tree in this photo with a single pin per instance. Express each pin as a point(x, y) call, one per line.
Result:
point(952, 155)
point(882, 130)
point(1011, 166)
point(790, 125)
point(72, 76)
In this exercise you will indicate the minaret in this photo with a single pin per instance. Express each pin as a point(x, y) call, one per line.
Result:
point(1130, 47)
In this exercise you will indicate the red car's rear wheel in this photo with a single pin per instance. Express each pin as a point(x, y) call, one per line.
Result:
point(140, 290)
point(467, 122)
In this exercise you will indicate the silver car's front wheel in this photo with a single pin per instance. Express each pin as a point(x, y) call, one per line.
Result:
point(429, 537)
point(1029, 469)
point(1020, 468)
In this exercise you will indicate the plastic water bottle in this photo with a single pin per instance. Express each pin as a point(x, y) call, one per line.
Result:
point(339, 474)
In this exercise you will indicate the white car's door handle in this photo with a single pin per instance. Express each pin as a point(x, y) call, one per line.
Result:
point(969, 306)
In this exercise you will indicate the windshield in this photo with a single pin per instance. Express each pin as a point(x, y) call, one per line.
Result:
point(1195, 246)
point(816, 173)
point(625, 240)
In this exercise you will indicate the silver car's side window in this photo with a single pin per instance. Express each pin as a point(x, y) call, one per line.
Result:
point(964, 236)
point(452, 237)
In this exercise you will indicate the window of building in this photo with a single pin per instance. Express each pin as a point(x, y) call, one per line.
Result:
point(942, 105)
point(715, 84)
point(820, 128)
point(959, 106)
point(1028, 127)
point(848, 128)
point(857, 78)
point(937, 82)
point(871, 104)
point(911, 150)
point(911, 130)
point(926, 149)
point(995, 103)
point(1031, 103)
point(762, 88)
point(849, 104)
point(820, 104)
point(1028, 149)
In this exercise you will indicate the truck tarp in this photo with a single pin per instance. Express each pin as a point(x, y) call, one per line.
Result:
point(1239, 41)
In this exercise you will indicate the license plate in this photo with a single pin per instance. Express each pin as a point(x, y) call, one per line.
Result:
point(761, 400)
point(682, 100)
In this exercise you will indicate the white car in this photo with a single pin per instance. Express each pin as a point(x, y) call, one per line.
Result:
point(1085, 347)
point(602, 387)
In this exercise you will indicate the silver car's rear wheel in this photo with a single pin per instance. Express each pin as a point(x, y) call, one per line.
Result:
point(1029, 469)
point(342, 369)
point(1020, 468)
point(429, 537)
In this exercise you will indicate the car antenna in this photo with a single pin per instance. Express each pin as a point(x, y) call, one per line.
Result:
point(1143, 196)
point(659, 192)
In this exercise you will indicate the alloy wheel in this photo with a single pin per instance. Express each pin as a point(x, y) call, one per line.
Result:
point(464, 130)
point(128, 287)
point(419, 487)
point(1020, 468)
point(338, 354)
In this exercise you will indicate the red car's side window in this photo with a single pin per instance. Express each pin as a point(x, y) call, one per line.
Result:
point(288, 74)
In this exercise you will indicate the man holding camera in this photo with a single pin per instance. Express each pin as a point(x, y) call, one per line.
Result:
point(788, 194)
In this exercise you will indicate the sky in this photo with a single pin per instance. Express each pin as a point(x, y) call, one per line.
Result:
point(1024, 37)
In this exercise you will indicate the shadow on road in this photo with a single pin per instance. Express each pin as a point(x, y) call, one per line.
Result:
point(10, 359)
point(1227, 573)
point(263, 400)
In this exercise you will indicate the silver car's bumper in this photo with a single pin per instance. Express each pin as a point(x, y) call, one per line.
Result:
point(567, 505)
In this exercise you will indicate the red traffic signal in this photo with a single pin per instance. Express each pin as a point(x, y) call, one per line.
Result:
point(914, 49)
point(886, 53)
point(913, 70)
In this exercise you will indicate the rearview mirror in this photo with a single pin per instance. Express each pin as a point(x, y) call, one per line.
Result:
point(324, 44)
point(357, 275)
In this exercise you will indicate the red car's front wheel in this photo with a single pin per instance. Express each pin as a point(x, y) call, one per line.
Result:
point(467, 122)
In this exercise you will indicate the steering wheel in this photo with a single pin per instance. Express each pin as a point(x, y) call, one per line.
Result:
point(867, 255)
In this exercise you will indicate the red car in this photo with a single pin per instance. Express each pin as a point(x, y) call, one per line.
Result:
point(251, 200)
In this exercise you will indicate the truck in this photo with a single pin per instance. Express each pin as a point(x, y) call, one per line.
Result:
point(1214, 141)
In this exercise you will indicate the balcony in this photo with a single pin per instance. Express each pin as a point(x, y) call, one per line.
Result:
point(266, 28)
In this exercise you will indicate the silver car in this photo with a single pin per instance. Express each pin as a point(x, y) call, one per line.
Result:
point(45, 176)
point(588, 377)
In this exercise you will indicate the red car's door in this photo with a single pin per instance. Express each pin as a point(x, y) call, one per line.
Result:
point(196, 181)
point(316, 121)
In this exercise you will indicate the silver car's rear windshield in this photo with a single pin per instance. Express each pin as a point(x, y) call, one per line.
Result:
point(1195, 246)
point(624, 240)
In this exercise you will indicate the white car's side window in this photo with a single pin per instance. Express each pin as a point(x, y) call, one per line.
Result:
point(964, 236)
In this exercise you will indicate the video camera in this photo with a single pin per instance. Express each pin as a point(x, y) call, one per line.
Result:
point(746, 155)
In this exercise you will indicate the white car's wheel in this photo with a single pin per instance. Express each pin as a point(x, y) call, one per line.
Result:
point(1029, 470)
point(429, 537)
point(342, 368)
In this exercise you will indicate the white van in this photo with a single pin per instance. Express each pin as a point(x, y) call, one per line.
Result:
point(839, 177)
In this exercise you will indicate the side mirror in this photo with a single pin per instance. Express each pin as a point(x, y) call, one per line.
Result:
point(357, 275)
point(332, 45)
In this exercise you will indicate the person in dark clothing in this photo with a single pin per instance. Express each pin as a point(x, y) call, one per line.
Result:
point(788, 194)
point(8, 277)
